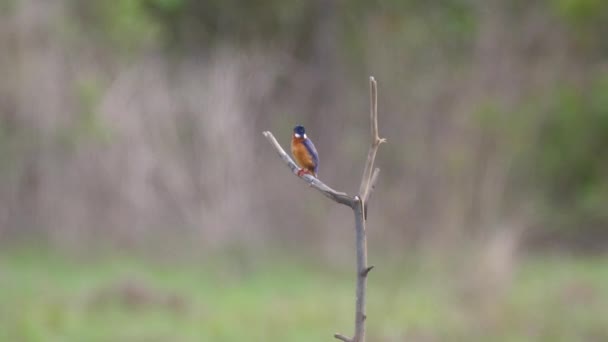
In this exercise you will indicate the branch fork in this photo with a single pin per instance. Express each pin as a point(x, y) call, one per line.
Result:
point(357, 203)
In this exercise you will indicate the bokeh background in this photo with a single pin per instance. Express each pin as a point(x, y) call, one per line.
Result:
point(139, 200)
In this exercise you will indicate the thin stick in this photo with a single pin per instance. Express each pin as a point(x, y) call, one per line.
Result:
point(368, 183)
point(372, 187)
point(362, 272)
point(342, 338)
point(366, 180)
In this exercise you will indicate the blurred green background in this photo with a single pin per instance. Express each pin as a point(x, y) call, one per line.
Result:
point(140, 202)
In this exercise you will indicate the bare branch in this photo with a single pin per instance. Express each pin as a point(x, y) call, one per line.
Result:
point(372, 187)
point(368, 183)
point(362, 269)
point(330, 193)
point(366, 180)
point(358, 205)
point(372, 184)
point(373, 107)
point(342, 338)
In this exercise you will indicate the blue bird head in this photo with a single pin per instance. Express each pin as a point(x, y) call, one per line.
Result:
point(299, 131)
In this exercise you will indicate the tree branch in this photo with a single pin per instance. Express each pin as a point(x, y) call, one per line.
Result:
point(342, 338)
point(330, 193)
point(368, 183)
point(362, 271)
point(366, 180)
point(372, 184)
point(357, 204)
point(372, 187)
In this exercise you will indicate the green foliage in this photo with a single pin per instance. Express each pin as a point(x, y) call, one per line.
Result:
point(502, 125)
point(569, 155)
point(7, 147)
point(123, 24)
point(588, 18)
point(199, 23)
point(294, 23)
point(86, 125)
point(15, 146)
point(581, 11)
point(7, 7)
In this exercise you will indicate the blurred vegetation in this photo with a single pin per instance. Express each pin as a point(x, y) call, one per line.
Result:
point(587, 18)
point(123, 25)
point(131, 299)
point(570, 170)
point(454, 74)
point(133, 126)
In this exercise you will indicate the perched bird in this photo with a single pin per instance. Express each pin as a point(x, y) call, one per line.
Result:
point(304, 152)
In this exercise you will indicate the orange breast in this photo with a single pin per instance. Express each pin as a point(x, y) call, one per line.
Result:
point(301, 155)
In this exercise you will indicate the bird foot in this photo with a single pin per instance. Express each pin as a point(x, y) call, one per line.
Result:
point(303, 172)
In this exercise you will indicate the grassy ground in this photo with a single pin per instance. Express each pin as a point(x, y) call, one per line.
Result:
point(53, 298)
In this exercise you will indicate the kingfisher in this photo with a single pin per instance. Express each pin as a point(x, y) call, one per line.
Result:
point(304, 152)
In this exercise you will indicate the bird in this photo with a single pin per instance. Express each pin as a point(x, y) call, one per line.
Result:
point(304, 152)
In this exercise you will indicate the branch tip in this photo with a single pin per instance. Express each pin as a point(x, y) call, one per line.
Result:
point(342, 338)
point(366, 271)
